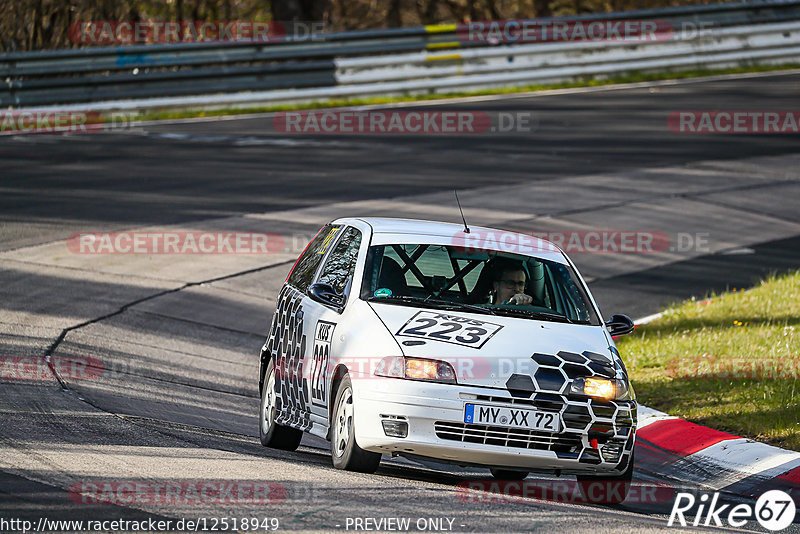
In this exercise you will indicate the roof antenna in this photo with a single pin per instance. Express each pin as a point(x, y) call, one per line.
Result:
point(466, 228)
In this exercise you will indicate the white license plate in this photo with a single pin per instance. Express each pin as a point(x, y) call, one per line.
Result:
point(479, 414)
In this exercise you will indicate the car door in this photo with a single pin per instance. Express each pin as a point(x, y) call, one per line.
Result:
point(324, 322)
point(288, 341)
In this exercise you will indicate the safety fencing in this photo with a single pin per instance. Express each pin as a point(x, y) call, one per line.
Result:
point(431, 59)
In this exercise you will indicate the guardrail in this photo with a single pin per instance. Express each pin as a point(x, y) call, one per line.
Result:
point(432, 58)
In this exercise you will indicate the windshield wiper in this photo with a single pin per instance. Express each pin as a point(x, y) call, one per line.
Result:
point(464, 306)
point(535, 314)
point(437, 303)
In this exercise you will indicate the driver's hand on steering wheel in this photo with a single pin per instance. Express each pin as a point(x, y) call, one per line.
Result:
point(520, 299)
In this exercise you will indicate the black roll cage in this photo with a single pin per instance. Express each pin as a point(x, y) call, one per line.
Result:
point(409, 264)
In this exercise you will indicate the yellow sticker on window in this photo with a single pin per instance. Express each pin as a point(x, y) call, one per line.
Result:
point(328, 240)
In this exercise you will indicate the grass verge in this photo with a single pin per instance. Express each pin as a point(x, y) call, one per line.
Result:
point(589, 82)
point(731, 362)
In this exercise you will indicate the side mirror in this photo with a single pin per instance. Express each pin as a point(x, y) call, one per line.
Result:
point(619, 325)
point(325, 294)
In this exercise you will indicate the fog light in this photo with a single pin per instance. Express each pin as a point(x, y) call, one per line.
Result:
point(611, 451)
point(395, 429)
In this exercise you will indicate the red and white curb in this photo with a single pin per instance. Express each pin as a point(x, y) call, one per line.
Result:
point(684, 451)
point(675, 448)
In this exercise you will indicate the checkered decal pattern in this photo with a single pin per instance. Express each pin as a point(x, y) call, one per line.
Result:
point(590, 418)
point(286, 344)
point(584, 418)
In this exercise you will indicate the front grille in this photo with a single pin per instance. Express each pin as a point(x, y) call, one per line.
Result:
point(507, 437)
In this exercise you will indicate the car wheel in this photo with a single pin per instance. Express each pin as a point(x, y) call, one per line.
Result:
point(607, 489)
point(345, 451)
point(272, 434)
point(508, 474)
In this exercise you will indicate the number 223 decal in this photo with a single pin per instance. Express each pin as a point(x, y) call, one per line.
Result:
point(448, 328)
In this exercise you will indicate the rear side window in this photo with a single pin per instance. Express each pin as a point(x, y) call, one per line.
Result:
point(341, 263)
point(306, 265)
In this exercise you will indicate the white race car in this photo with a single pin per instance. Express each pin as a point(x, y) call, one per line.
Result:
point(472, 346)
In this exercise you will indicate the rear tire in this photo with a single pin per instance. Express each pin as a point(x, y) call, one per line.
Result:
point(272, 434)
point(508, 474)
point(607, 489)
point(345, 452)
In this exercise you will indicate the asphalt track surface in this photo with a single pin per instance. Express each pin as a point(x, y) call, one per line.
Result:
point(178, 337)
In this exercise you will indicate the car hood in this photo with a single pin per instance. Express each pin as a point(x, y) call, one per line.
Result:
point(507, 348)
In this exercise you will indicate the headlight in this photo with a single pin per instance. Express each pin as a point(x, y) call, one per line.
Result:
point(601, 388)
point(416, 369)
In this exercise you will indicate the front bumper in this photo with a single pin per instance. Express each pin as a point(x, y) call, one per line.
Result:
point(436, 429)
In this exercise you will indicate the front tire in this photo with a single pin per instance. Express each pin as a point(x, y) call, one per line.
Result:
point(345, 452)
point(272, 434)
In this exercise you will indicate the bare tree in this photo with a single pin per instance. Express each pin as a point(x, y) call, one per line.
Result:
point(43, 24)
point(394, 18)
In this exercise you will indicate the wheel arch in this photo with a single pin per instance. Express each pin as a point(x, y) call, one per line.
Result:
point(338, 374)
point(264, 358)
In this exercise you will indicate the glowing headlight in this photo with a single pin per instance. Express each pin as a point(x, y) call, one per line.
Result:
point(416, 369)
point(601, 388)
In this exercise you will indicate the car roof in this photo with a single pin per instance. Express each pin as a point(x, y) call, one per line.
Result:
point(392, 225)
point(388, 230)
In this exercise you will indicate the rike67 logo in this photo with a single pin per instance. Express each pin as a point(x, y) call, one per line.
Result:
point(774, 510)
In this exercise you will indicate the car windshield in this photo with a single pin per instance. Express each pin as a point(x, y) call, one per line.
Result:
point(480, 281)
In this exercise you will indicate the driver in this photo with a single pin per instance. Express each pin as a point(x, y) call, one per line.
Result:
point(508, 285)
